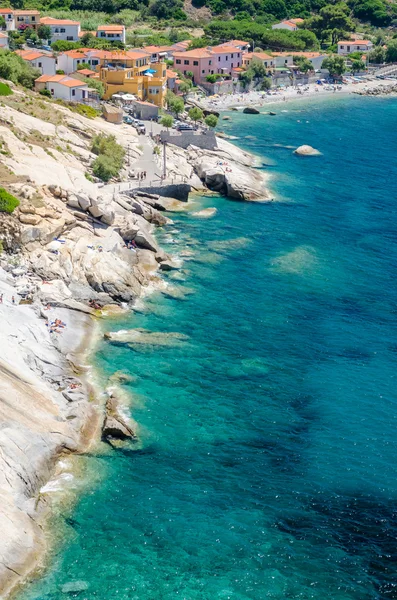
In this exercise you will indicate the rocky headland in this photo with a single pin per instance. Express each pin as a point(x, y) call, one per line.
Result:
point(74, 251)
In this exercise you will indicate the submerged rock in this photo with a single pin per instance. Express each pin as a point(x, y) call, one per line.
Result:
point(206, 213)
point(145, 337)
point(73, 587)
point(307, 151)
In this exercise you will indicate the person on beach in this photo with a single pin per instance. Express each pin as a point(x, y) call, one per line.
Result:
point(1, 298)
point(13, 300)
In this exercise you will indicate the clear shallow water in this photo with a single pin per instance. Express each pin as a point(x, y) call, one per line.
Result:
point(267, 467)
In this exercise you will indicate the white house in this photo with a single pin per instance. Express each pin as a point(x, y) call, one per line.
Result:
point(70, 60)
point(112, 33)
point(46, 63)
point(8, 16)
point(285, 59)
point(3, 40)
point(289, 24)
point(345, 48)
point(62, 29)
point(63, 87)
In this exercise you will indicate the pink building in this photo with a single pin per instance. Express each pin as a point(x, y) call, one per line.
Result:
point(208, 61)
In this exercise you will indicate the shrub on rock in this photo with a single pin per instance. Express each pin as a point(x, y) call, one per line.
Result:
point(8, 202)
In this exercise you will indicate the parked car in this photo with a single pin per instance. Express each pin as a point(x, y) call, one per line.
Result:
point(141, 129)
point(127, 120)
point(186, 127)
point(47, 48)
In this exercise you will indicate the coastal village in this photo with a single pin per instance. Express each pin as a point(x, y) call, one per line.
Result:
point(147, 72)
point(102, 142)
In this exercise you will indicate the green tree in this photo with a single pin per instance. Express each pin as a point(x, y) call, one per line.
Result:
point(2, 22)
point(211, 121)
point(175, 103)
point(266, 83)
point(84, 65)
point(247, 77)
point(15, 69)
point(44, 32)
point(110, 156)
point(185, 87)
point(335, 64)
point(303, 63)
point(358, 66)
point(377, 55)
point(167, 121)
point(391, 51)
point(63, 45)
point(332, 23)
point(96, 85)
point(196, 114)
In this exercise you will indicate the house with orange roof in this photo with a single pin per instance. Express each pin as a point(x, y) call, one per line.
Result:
point(42, 61)
point(208, 61)
point(172, 78)
point(111, 33)
point(8, 16)
point(158, 52)
point(288, 24)
point(62, 29)
point(347, 47)
point(261, 58)
point(180, 46)
point(133, 73)
point(26, 18)
point(239, 44)
point(64, 87)
point(69, 61)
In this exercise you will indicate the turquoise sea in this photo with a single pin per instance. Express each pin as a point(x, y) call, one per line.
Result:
point(267, 462)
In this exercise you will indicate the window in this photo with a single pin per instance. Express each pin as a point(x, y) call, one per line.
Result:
point(210, 62)
point(186, 62)
point(203, 71)
point(178, 61)
point(227, 58)
point(33, 19)
point(52, 92)
point(56, 30)
point(40, 65)
point(69, 38)
point(232, 65)
point(238, 64)
point(195, 63)
point(73, 92)
point(219, 59)
point(63, 30)
point(94, 62)
point(232, 56)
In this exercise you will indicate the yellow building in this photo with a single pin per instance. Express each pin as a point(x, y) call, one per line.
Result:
point(133, 73)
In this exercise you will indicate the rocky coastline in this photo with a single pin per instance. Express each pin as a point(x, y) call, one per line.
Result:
point(75, 252)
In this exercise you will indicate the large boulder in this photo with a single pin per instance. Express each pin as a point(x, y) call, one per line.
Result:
point(306, 151)
point(250, 110)
point(144, 239)
point(83, 200)
point(72, 201)
point(29, 219)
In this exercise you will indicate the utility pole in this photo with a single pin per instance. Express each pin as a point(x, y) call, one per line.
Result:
point(164, 161)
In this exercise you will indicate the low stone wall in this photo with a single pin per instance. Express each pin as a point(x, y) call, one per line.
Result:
point(205, 140)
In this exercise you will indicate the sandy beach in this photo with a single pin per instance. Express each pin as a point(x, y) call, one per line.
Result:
point(260, 99)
